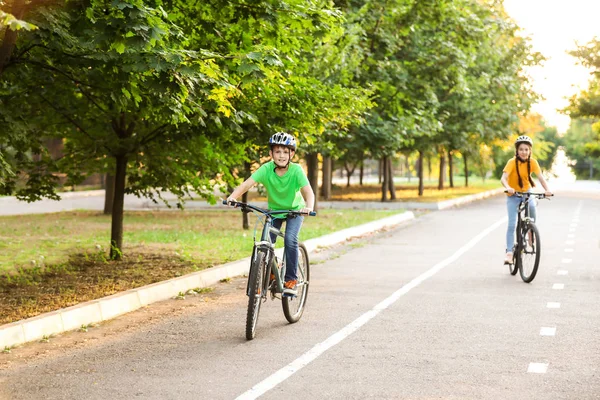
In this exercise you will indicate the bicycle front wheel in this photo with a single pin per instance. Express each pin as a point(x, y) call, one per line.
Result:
point(293, 307)
point(255, 293)
point(529, 253)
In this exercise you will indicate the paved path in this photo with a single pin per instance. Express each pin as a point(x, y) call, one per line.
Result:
point(421, 312)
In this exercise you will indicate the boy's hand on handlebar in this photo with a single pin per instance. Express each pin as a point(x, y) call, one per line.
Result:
point(306, 210)
point(510, 191)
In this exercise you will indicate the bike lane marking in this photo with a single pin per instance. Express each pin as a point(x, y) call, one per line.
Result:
point(320, 348)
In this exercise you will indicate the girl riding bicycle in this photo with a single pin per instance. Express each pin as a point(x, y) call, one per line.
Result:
point(287, 189)
point(516, 176)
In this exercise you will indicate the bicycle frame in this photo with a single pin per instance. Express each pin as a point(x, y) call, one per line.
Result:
point(266, 245)
point(523, 218)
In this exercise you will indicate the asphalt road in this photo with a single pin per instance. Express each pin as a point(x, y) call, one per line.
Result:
point(425, 311)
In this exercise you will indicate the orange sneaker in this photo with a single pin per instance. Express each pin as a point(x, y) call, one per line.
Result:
point(289, 287)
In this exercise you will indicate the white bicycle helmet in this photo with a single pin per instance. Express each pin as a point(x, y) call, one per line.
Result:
point(283, 139)
point(523, 139)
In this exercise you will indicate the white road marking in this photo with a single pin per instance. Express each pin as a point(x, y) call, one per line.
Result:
point(537, 368)
point(562, 272)
point(558, 286)
point(573, 225)
point(571, 229)
point(553, 305)
point(566, 260)
point(570, 242)
point(547, 331)
point(279, 376)
point(569, 250)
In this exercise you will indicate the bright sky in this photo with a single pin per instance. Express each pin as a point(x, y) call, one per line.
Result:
point(554, 27)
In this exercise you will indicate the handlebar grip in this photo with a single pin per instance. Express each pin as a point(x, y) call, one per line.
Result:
point(312, 213)
point(225, 202)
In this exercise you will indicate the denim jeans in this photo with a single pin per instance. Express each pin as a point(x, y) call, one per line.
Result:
point(512, 206)
point(292, 230)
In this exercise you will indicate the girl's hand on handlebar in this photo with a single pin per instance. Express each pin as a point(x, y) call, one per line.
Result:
point(510, 191)
point(548, 193)
point(231, 200)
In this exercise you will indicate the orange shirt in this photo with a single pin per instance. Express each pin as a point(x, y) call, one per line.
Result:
point(513, 179)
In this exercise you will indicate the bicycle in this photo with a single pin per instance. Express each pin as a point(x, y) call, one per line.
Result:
point(267, 272)
point(527, 249)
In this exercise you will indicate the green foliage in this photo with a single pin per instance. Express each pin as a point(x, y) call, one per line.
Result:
point(583, 137)
point(579, 148)
point(9, 21)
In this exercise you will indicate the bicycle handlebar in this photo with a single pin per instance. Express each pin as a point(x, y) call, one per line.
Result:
point(528, 194)
point(263, 211)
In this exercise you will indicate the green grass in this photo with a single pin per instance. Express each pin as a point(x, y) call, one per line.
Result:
point(202, 237)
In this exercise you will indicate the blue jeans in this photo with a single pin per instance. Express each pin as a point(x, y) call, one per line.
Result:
point(512, 206)
point(292, 230)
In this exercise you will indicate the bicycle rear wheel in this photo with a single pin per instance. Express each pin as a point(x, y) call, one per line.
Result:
point(255, 292)
point(529, 252)
point(293, 307)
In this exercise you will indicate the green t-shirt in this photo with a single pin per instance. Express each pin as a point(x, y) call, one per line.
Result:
point(283, 192)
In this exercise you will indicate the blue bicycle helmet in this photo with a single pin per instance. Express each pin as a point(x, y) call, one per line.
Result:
point(283, 139)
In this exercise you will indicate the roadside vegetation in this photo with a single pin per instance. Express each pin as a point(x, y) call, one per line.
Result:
point(51, 261)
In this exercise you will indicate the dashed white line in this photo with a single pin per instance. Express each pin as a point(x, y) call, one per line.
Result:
point(566, 261)
point(558, 286)
point(570, 242)
point(562, 272)
point(569, 250)
point(537, 368)
point(548, 331)
point(553, 305)
point(279, 376)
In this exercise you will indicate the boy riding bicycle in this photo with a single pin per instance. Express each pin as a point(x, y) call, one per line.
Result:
point(287, 189)
point(517, 174)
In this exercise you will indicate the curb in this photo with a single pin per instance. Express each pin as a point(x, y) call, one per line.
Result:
point(109, 307)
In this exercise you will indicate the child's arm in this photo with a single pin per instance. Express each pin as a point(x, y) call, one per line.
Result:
point(240, 190)
point(309, 198)
point(544, 184)
point(504, 181)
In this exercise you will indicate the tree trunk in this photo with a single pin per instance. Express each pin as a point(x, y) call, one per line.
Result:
point(116, 233)
point(326, 181)
point(379, 171)
point(429, 168)
point(362, 171)
point(312, 164)
point(384, 187)
point(450, 170)
point(420, 162)
point(109, 193)
point(442, 170)
point(466, 171)
point(391, 185)
point(10, 36)
point(407, 163)
point(349, 172)
point(247, 173)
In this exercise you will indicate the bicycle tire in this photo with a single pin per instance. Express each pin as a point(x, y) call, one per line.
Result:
point(293, 307)
point(255, 289)
point(514, 267)
point(529, 261)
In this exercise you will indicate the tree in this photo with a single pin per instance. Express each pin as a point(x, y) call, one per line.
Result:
point(121, 85)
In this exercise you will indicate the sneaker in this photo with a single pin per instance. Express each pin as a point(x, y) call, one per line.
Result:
point(289, 288)
point(508, 258)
